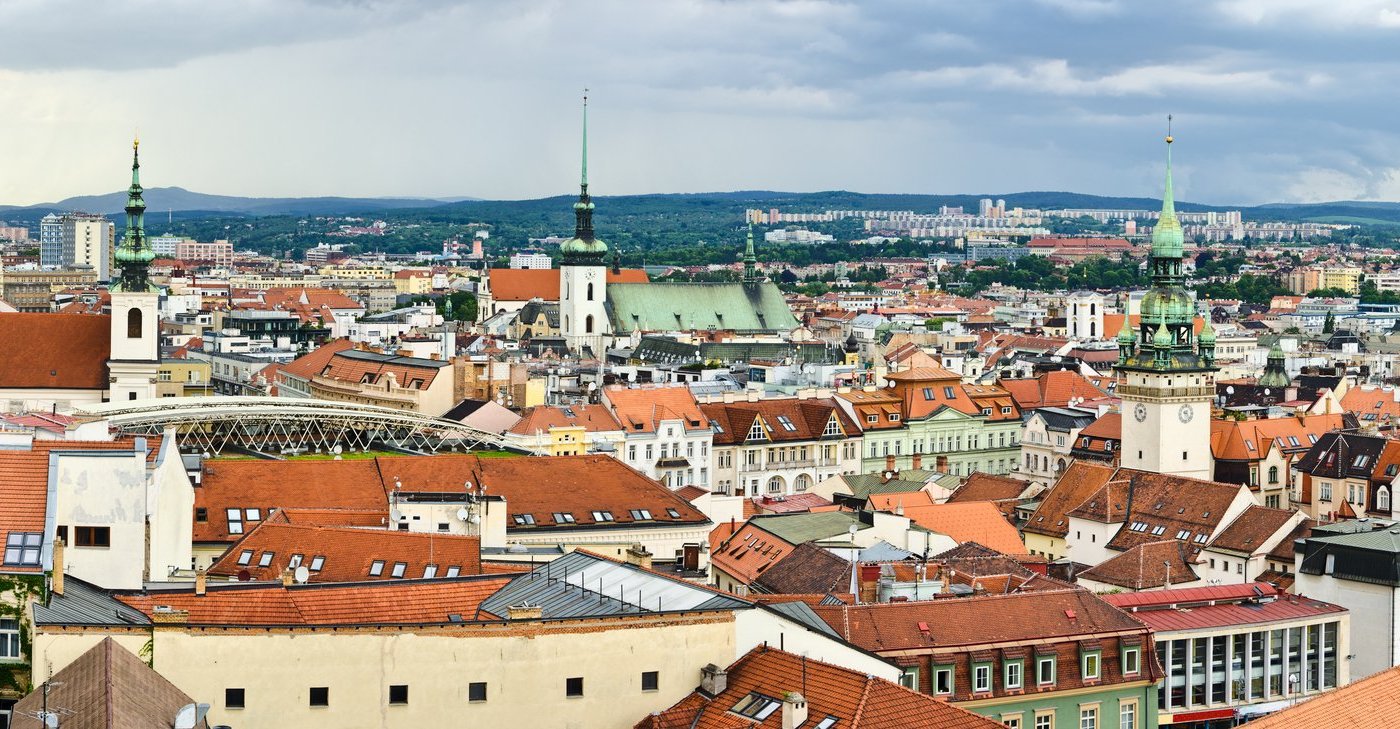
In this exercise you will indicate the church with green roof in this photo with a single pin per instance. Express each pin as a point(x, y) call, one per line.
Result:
point(596, 315)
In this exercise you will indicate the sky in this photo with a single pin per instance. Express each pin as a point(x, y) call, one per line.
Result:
point(1273, 100)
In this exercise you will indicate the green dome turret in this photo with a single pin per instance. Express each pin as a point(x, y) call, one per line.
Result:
point(584, 248)
point(134, 254)
point(1207, 338)
point(1276, 371)
point(1163, 337)
point(1125, 335)
point(1168, 240)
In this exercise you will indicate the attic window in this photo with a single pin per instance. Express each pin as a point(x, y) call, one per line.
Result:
point(265, 559)
point(641, 514)
point(949, 393)
point(1312, 438)
point(376, 568)
point(1200, 539)
point(317, 563)
point(453, 571)
point(1293, 440)
point(756, 706)
point(894, 417)
point(602, 516)
point(398, 569)
point(563, 517)
point(673, 513)
point(245, 557)
point(524, 519)
point(1249, 444)
point(832, 427)
point(756, 430)
point(872, 418)
point(718, 428)
point(1005, 410)
point(1184, 534)
point(786, 423)
point(1157, 531)
point(294, 561)
point(429, 571)
point(367, 378)
point(1139, 526)
point(1360, 461)
point(986, 411)
point(235, 520)
point(928, 393)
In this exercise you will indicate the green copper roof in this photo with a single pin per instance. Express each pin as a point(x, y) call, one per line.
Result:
point(583, 248)
point(1168, 241)
point(1207, 333)
point(808, 527)
point(1276, 371)
point(664, 307)
point(750, 259)
point(1162, 338)
point(1125, 335)
point(134, 254)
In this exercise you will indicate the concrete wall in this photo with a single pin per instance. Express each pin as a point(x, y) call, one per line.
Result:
point(1373, 612)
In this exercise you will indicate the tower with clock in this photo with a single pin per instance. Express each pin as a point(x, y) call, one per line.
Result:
point(1166, 372)
point(583, 270)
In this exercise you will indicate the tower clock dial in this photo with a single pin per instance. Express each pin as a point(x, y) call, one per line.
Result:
point(1140, 412)
point(590, 274)
point(1185, 413)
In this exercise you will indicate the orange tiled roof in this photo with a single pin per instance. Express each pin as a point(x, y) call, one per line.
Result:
point(1366, 704)
point(854, 699)
point(1251, 440)
point(408, 372)
point(24, 495)
point(346, 554)
point(987, 487)
point(523, 284)
point(747, 553)
point(1074, 487)
point(641, 410)
point(806, 420)
point(977, 521)
point(399, 602)
point(592, 418)
point(1382, 402)
point(312, 363)
point(1052, 389)
point(54, 351)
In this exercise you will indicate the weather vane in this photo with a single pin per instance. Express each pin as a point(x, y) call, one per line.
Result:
point(1169, 129)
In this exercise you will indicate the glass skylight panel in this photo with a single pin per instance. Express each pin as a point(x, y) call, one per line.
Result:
point(376, 568)
point(245, 557)
point(430, 571)
point(317, 563)
point(398, 569)
point(265, 559)
point(453, 571)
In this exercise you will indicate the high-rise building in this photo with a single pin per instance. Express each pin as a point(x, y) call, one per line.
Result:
point(51, 241)
point(88, 241)
point(1166, 374)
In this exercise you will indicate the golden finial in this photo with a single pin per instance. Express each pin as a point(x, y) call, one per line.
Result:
point(1169, 129)
point(136, 141)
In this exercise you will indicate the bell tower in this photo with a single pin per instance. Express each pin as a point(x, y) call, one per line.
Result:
point(135, 322)
point(583, 272)
point(1166, 375)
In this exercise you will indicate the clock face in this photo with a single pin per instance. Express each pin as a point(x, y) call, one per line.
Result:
point(1140, 412)
point(1185, 413)
point(590, 274)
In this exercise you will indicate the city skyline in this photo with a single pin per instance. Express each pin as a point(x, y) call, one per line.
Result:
point(1274, 101)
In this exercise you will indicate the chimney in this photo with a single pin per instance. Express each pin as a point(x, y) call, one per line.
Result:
point(889, 464)
point(638, 555)
point(56, 582)
point(713, 679)
point(794, 710)
point(525, 611)
point(942, 464)
point(201, 581)
point(287, 577)
point(918, 461)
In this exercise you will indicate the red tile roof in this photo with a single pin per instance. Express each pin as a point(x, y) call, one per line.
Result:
point(523, 284)
point(975, 521)
point(746, 553)
point(988, 487)
point(1251, 440)
point(1366, 704)
point(312, 363)
point(54, 351)
point(808, 419)
point(641, 410)
point(854, 699)
point(24, 488)
point(1252, 528)
point(1080, 481)
point(1146, 566)
point(355, 367)
point(399, 602)
point(347, 553)
point(1052, 389)
point(592, 418)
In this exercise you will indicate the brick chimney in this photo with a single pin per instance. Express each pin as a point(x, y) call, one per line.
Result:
point(201, 581)
point(638, 555)
point(889, 464)
point(794, 710)
point(942, 466)
point(918, 461)
point(287, 577)
point(56, 582)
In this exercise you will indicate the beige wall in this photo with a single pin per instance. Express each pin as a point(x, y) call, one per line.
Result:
point(523, 665)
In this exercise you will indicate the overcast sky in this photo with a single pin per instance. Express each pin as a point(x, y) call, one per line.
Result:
point(1274, 100)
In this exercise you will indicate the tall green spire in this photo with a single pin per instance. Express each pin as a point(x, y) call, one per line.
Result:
point(1167, 238)
point(583, 248)
point(750, 260)
point(134, 255)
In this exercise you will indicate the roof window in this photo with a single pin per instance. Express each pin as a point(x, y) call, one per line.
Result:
point(602, 516)
point(524, 519)
point(786, 423)
point(563, 517)
point(376, 568)
point(673, 513)
point(245, 557)
point(756, 706)
point(265, 559)
point(317, 563)
point(429, 571)
point(1158, 531)
point(453, 571)
point(641, 514)
point(398, 569)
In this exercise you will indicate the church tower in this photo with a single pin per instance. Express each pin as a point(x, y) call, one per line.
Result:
point(583, 272)
point(135, 326)
point(1166, 376)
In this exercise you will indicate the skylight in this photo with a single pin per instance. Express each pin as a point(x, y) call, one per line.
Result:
point(245, 557)
point(266, 559)
point(784, 421)
point(317, 563)
point(22, 548)
point(398, 569)
point(757, 706)
point(376, 568)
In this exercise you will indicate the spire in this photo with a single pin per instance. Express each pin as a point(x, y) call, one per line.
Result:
point(750, 260)
point(134, 255)
point(584, 249)
point(1167, 238)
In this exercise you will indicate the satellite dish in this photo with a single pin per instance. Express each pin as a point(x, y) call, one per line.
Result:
point(244, 575)
point(463, 514)
point(301, 575)
point(185, 718)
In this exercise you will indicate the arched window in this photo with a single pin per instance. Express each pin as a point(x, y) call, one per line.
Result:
point(590, 292)
point(1382, 499)
point(566, 325)
point(133, 324)
point(1093, 329)
point(802, 483)
point(1273, 474)
point(775, 485)
point(588, 321)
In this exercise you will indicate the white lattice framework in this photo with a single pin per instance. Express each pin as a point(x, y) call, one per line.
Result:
point(278, 425)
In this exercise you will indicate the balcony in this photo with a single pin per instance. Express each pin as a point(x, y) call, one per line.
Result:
point(1185, 392)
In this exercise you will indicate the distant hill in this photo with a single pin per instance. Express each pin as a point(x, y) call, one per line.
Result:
point(178, 199)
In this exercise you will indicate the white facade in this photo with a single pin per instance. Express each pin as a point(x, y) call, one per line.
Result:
point(1084, 317)
point(531, 259)
point(582, 292)
point(1166, 422)
point(135, 339)
point(672, 454)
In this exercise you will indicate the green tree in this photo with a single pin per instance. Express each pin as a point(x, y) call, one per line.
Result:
point(1329, 324)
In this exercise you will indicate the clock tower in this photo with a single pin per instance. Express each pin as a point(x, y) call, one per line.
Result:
point(583, 273)
point(1166, 374)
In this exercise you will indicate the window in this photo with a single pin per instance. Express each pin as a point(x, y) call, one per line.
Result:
point(1045, 671)
point(786, 423)
point(1091, 666)
point(265, 559)
point(943, 680)
point(476, 691)
point(928, 393)
point(9, 639)
point(398, 569)
point(376, 568)
point(563, 517)
point(1131, 660)
point(252, 514)
point(233, 698)
point(1011, 721)
point(398, 693)
point(602, 516)
point(133, 324)
point(650, 680)
point(317, 563)
point(201, 515)
point(910, 678)
point(1383, 499)
point(832, 427)
point(1127, 715)
point(1012, 677)
point(1089, 717)
point(949, 393)
point(245, 557)
point(1326, 491)
point(524, 519)
point(981, 679)
point(1045, 720)
point(320, 696)
point(93, 536)
point(429, 571)
point(757, 706)
point(454, 570)
point(294, 561)
point(235, 520)
point(756, 430)
point(672, 512)
point(573, 686)
point(1273, 474)
point(641, 514)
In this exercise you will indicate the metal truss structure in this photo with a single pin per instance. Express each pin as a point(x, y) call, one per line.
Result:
point(278, 426)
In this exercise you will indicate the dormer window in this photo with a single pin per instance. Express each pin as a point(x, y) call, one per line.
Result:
point(832, 427)
point(894, 417)
point(756, 430)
